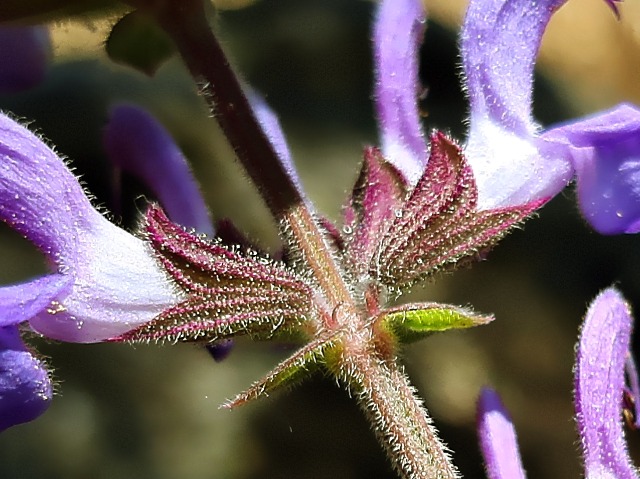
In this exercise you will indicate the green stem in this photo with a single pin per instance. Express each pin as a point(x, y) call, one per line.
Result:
point(400, 421)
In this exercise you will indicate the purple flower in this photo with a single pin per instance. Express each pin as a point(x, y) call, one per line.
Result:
point(104, 281)
point(514, 161)
point(600, 384)
point(24, 57)
point(25, 388)
point(603, 351)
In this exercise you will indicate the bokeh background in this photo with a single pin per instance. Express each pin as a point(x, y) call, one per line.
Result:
point(152, 412)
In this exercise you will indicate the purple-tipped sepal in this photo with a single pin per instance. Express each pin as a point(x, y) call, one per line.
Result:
point(439, 224)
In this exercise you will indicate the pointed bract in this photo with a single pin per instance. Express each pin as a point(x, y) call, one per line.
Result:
point(289, 372)
point(439, 225)
point(376, 198)
point(414, 321)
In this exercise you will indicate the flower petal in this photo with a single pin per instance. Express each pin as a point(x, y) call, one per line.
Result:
point(500, 41)
point(599, 385)
point(399, 29)
point(23, 301)
point(140, 145)
point(498, 441)
point(118, 286)
point(605, 151)
point(24, 57)
point(25, 388)
point(117, 282)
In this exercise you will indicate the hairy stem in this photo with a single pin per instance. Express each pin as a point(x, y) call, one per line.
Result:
point(185, 21)
point(400, 420)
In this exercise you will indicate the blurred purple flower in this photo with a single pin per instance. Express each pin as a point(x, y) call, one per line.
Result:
point(136, 142)
point(603, 350)
point(514, 161)
point(497, 438)
point(24, 57)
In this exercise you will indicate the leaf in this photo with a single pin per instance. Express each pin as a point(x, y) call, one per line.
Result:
point(439, 226)
point(138, 41)
point(411, 322)
point(289, 372)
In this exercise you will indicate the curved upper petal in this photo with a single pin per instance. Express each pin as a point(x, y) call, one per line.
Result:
point(39, 197)
point(24, 57)
point(398, 33)
point(605, 152)
point(117, 283)
point(500, 41)
point(25, 388)
point(139, 144)
point(599, 385)
point(498, 441)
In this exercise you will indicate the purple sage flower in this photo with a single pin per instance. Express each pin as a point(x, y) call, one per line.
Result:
point(104, 281)
point(514, 160)
point(602, 354)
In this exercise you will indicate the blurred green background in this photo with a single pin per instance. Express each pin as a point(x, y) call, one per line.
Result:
point(152, 412)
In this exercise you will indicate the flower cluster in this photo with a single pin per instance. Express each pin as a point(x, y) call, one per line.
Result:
point(418, 207)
